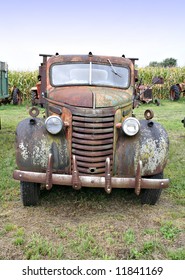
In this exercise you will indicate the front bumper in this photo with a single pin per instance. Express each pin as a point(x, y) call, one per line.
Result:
point(107, 182)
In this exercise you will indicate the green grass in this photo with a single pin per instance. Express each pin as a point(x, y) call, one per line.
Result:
point(40, 248)
point(90, 224)
point(129, 237)
point(169, 231)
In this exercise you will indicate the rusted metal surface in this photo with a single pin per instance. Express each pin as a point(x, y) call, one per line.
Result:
point(149, 114)
point(76, 183)
point(49, 172)
point(106, 97)
point(90, 181)
point(91, 97)
point(43, 77)
point(150, 146)
point(74, 96)
point(92, 141)
point(90, 58)
point(138, 177)
point(34, 143)
point(108, 186)
point(34, 112)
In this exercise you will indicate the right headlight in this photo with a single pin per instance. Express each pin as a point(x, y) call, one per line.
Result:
point(54, 124)
point(131, 126)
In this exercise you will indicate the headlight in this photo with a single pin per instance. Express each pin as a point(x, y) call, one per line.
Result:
point(54, 124)
point(131, 126)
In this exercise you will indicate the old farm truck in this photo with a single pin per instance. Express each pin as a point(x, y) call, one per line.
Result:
point(89, 136)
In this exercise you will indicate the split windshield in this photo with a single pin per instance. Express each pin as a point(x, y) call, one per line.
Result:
point(90, 74)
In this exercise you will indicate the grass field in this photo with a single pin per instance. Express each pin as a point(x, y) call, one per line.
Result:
point(90, 224)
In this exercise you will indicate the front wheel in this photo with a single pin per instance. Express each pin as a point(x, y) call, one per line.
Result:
point(151, 196)
point(30, 193)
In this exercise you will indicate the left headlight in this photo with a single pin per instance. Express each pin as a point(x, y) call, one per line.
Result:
point(54, 124)
point(131, 126)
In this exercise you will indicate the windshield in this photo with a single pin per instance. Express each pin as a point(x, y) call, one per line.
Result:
point(90, 74)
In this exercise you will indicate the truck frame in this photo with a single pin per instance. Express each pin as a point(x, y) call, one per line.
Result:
point(89, 136)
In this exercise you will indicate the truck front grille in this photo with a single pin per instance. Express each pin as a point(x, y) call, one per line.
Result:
point(92, 142)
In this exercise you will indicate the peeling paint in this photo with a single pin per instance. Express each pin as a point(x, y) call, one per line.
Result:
point(24, 150)
point(40, 153)
point(152, 151)
point(152, 154)
point(35, 144)
point(150, 146)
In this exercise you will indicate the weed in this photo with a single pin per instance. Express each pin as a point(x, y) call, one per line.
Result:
point(149, 247)
point(169, 231)
point(61, 233)
point(20, 231)
point(129, 237)
point(178, 254)
point(150, 231)
point(110, 239)
point(9, 227)
point(39, 248)
point(19, 237)
point(135, 254)
point(82, 231)
point(18, 241)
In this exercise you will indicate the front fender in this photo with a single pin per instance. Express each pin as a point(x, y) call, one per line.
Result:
point(34, 143)
point(150, 145)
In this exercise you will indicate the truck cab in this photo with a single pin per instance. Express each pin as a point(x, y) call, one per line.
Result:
point(89, 136)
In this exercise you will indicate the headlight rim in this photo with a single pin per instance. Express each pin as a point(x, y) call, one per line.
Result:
point(58, 130)
point(126, 131)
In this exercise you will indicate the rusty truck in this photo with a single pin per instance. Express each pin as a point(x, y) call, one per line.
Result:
point(89, 136)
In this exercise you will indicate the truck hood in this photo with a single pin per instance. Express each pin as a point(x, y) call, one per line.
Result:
point(90, 97)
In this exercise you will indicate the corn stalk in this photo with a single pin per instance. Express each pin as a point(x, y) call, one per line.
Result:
point(171, 76)
point(23, 80)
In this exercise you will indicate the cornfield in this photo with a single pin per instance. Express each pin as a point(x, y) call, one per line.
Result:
point(171, 76)
point(25, 80)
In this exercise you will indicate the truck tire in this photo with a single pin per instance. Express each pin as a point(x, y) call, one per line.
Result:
point(175, 92)
point(30, 193)
point(15, 96)
point(33, 97)
point(183, 121)
point(151, 196)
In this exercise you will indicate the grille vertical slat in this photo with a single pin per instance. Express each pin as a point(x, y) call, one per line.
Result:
point(92, 142)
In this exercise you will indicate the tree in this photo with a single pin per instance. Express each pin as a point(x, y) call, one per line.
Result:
point(154, 64)
point(169, 62)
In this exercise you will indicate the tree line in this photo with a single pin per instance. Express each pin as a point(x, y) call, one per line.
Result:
point(168, 62)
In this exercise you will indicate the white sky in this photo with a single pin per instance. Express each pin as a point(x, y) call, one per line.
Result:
point(149, 30)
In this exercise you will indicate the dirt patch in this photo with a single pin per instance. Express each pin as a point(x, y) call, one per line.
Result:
point(68, 218)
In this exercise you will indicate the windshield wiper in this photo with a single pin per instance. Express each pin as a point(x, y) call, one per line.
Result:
point(113, 69)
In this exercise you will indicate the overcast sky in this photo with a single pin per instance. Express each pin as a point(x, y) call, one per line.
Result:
point(149, 30)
